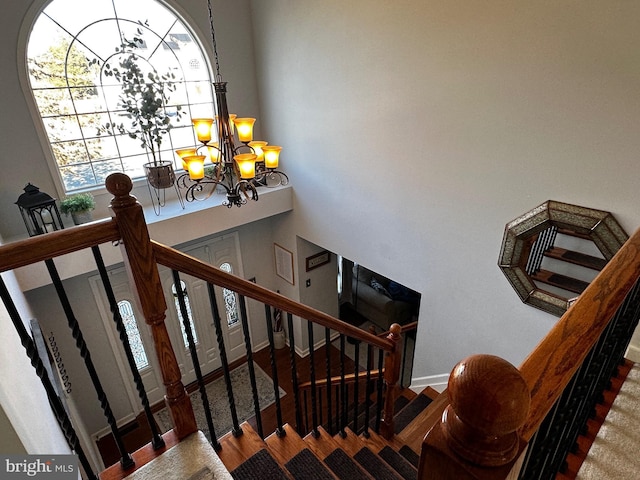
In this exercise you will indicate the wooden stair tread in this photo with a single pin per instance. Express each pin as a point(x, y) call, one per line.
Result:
point(572, 233)
point(285, 448)
point(321, 446)
point(350, 443)
point(561, 281)
point(413, 434)
point(236, 450)
point(430, 392)
point(576, 258)
point(375, 442)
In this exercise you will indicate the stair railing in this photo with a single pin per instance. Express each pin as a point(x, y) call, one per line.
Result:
point(508, 423)
point(361, 387)
point(141, 259)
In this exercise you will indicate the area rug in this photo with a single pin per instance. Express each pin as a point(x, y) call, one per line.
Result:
point(219, 402)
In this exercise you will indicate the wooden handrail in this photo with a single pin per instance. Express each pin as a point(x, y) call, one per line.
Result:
point(546, 372)
point(403, 329)
point(43, 247)
point(550, 366)
point(334, 381)
point(182, 262)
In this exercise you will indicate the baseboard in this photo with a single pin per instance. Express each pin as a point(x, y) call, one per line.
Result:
point(437, 382)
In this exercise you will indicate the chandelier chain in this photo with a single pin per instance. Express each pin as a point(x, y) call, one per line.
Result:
point(213, 41)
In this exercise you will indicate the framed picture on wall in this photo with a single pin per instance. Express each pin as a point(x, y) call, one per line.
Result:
point(284, 263)
point(317, 260)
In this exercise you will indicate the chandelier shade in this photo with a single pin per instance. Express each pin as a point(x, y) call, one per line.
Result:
point(228, 157)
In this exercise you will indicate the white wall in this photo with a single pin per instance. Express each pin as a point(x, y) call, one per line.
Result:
point(414, 131)
point(21, 391)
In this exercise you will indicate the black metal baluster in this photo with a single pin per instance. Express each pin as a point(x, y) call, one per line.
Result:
point(405, 343)
point(125, 459)
point(252, 371)
point(338, 397)
point(185, 314)
point(343, 389)
point(356, 400)
point(280, 432)
point(544, 242)
point(54, 401)
point(327, 346)
point(305, 401)
point(368, 390)
point(380, 389)
point(217, 323)
point(294, 373)
point(312, 373)
point(156, 439)
point(559, 431)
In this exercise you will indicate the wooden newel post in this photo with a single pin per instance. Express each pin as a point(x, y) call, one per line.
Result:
point(142, 270)
point(477, 437)
point(392, 364)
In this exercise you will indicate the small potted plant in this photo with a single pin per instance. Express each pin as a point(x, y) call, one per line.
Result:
point(79, 206)
point(143, 98)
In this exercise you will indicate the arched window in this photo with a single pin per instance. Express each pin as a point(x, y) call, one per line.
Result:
point(131, 327)
point(187, 305)
point(230, 300)
point(70, 42)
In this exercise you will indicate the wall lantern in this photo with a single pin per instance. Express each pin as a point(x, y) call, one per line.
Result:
point(39, 211)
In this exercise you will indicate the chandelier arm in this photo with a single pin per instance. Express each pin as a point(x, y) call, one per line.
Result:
point(195, 190)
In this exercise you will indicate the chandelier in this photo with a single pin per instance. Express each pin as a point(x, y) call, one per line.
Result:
point(235, 162)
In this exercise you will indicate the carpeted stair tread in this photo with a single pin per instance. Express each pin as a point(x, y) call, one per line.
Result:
point(412, 457)
point(373, 464)
point(400, 403)
point(259, 466)
point(408, 413)
point(306, 466)
point(399, 463)
point(344, 467)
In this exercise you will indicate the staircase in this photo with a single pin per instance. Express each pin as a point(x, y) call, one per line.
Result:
point(344, 455)
point(543, 405)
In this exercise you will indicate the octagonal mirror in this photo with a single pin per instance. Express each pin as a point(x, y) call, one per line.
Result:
point(551, 253)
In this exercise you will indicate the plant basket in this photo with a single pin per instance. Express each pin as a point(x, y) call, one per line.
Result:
point(279, 340)
point(81, 217)
point(160, 175)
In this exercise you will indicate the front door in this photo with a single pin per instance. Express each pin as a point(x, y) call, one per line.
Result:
point(223, 252)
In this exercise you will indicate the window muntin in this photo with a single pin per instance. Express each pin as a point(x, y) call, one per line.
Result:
point(73, 98)
point(133, 334)
point(230, 299)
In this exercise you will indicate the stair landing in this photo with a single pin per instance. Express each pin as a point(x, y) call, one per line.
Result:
point(192, 459)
